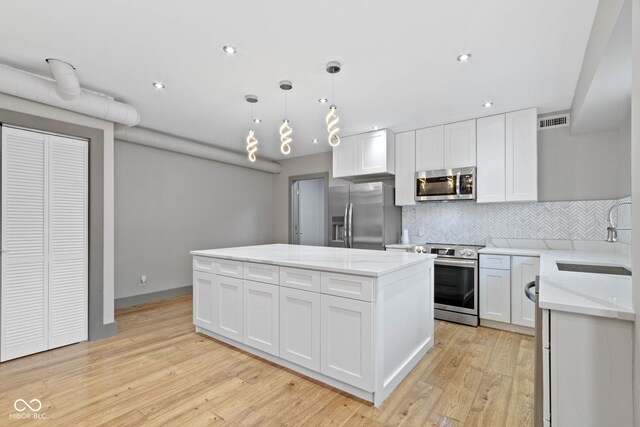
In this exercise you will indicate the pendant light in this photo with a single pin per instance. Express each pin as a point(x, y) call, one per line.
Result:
point(285, 129)
point(252, 141)
point(332, 118)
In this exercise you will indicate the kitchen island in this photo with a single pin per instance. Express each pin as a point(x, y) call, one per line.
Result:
point(357, 320)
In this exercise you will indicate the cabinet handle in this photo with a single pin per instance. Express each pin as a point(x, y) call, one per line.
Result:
point(527, 291)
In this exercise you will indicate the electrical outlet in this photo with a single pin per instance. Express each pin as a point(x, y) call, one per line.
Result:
point(142, 281)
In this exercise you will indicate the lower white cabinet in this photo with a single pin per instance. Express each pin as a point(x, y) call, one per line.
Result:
point(261, 316)
point(203, 303)
point(347, 341)
point(523, 271)
point(227, 306)
point(495, 294)
point(300, 327)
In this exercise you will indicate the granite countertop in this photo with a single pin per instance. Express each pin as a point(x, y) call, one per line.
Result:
point(351, 261)
point(602, 295)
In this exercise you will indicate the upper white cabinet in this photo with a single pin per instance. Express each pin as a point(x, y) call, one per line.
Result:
point(405, 168)
point(446, 147)
point(507, 157)
point(369, 153)
point(522, 155)
point(460, 145)
point(430, 149)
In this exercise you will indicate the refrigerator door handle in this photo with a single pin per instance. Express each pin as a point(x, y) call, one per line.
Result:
point(345, 231)
point(350, 225)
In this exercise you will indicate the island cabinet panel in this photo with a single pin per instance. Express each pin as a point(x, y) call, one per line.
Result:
point(227, 298)
point(307, 280)
point(261, 272)
point(218, 266)
point(261, 308)
point(203, 303)
point(347, 341)
point(300, 327)
point(347, 285)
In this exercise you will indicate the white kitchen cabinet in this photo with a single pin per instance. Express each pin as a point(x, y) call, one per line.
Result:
point(523, 271)
point(261, 316)
point(429, 149)
point(495, 295)
point(405, 168)
point(203, 303)
point(227, 300)
point(491, 167)
point(300, 327)
point(521, 149)
point(590, 370)
point(460, 144)
point(347, 341)
point(366, 154)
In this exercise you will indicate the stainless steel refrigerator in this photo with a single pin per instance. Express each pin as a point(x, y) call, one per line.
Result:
point(363, 216)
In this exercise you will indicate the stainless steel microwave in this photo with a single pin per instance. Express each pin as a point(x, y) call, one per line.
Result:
point(446, 184)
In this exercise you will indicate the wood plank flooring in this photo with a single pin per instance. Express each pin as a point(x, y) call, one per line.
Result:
point(158, 371)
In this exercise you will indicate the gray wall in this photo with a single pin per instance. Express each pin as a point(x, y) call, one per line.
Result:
point(167, 204)
point(594, 166)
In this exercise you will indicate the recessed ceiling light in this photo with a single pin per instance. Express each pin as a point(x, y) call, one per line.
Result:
point(323, 100)
point(375, 128)
point(315, 140)
point(257, 120)
point(158, 85)
point(464, 57)
point(487, 104)
point(230, 50)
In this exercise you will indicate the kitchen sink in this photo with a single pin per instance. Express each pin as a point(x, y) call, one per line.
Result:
point(594, 268)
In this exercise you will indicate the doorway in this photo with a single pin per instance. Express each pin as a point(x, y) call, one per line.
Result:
point(308, 214)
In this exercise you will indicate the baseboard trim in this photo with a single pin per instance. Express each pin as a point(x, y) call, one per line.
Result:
point(152, 297)
point(103, 331)
point(507, 327)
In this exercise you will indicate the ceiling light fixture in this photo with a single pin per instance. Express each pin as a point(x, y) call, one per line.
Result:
point(323, 100)
point(375, 128)
point(158, 85)
point(257, 120)
point(285, 129)
point(464, 57)
point(252, 141)
point(487, 104)
point(332, 118)
point(229, 50)
point(315, 140)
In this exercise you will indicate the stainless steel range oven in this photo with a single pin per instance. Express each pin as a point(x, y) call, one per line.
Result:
point(455, 282)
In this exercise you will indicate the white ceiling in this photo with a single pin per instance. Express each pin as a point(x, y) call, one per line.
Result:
point(399, 60)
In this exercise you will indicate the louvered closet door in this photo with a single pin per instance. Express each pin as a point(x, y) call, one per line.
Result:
point(24, 328)
point(68, 283)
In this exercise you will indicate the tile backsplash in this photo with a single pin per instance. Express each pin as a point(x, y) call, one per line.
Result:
point(472, 223)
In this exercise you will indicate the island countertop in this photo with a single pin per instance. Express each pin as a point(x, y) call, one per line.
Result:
point(351, 261)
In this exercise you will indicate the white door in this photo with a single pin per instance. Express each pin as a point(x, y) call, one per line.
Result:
point(24, 324)
point(495, 295)
point(491, 159)
point(405, 168)
point(203, 302)
point(308, 212)
point(372, 153)
point(300, 327)
point(261, 316)
point(227, 297)
point(347, 341)
point(522, 155)
point(68, 242)
point(430, 149)
point(344, 157)
point(523, 271)
point(460, 144)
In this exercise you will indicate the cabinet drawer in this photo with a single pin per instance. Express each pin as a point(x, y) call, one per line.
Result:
point(264, 273)
point(308, 280)
point(500, 262)
point(220, 266)
point(346, 285)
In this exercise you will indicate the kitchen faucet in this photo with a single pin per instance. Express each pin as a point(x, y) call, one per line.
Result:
point(612, 231)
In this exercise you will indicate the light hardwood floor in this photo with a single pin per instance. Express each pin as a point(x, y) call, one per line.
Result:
point(158, 371)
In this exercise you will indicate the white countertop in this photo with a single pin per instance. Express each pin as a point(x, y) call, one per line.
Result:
point(341, 260)
point(400, 246)
point(602, 295)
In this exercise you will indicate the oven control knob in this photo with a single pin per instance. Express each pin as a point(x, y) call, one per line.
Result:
point(467, 253)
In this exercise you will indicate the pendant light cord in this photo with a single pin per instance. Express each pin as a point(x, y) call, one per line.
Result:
point(285, 105)
point(333, 88)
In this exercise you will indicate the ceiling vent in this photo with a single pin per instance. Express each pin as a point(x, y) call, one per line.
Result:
point(554, 121)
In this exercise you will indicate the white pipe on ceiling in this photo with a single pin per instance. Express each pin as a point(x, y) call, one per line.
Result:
point(66, 79)
point(39, 89)
point(167, 142)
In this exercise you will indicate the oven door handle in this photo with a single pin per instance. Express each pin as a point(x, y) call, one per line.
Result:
point(455, 262)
